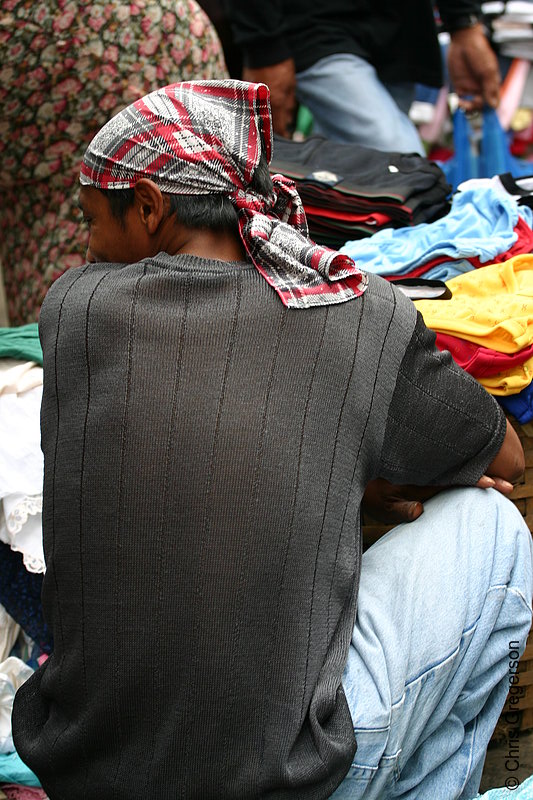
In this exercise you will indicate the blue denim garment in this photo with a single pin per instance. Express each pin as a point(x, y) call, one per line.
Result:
point(349, 103)
point(444, 604)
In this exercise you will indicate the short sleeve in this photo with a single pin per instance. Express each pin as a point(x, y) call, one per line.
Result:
point(442, 427)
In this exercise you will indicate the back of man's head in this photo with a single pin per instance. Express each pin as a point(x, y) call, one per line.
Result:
point(200, 137)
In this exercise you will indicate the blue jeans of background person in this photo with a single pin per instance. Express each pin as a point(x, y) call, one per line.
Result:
point(349, 103)
point(444, 606)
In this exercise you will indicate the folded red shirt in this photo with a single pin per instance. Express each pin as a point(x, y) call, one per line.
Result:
point(479, 361)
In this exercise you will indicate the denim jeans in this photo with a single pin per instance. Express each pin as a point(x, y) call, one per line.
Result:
point(349, 103)
point(444, 604)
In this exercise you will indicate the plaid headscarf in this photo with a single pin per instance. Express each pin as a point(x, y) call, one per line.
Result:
point(203, 137)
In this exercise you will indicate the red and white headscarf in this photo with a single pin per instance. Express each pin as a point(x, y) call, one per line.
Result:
point(203, 137)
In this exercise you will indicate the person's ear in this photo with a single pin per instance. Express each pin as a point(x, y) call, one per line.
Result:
point(149, 203)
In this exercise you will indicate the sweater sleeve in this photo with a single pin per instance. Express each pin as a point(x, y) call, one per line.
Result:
point(259, 31)
point(442, 427)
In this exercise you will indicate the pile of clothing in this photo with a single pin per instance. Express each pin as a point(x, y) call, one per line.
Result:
point(482, 250)
point(350, 192)
point(17, 663)
point(24, 637)
point(487, 326)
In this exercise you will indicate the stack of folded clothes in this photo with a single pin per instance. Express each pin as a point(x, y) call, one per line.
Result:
point(485, 224)
point(487, 326)
point(350, 192)
point(483, 251)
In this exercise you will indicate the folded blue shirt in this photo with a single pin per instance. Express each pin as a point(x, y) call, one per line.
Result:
point(481, 223)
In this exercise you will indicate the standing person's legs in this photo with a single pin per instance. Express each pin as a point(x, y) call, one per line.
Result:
point(444, 604)
point(350, 104)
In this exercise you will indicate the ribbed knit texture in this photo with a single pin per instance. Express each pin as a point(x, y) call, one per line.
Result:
point(205, 452)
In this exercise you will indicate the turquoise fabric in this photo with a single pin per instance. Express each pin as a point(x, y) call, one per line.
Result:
point(14, 770)
point(21, 342)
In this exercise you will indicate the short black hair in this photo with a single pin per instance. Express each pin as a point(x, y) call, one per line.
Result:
point(201, 211)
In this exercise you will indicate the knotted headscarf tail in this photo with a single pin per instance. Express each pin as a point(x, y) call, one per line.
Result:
point(203, 137)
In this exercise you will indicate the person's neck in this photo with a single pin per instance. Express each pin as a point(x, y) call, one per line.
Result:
point(222, 246)
point(213, 244)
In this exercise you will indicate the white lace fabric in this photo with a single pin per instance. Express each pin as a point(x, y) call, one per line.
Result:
point(21, 528)
point(21, 461)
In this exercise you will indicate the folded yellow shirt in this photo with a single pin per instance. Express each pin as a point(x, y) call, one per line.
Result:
point(491, 306)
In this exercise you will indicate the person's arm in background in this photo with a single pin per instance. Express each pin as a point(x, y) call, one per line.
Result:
point(472, 63)
point(259, 31)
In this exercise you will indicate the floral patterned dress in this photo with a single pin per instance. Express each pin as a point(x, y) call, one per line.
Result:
point(67, 67)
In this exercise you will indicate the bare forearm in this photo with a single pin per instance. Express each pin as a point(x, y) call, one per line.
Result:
point(509, 464)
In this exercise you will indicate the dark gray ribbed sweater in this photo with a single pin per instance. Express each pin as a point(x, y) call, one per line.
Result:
point(206, 450)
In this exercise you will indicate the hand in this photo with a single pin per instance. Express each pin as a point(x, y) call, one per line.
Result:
point(392, 504)
point(502, 486)
point(281, 80)
point(473, 69)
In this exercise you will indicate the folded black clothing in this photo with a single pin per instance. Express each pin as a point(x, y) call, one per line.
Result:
point(356, 169)
point(408, 188)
